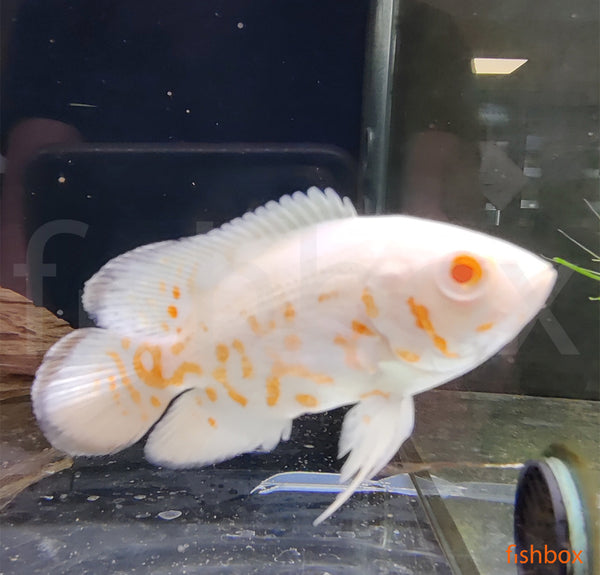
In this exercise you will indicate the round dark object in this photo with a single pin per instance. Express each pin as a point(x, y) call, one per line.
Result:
point(549, 525)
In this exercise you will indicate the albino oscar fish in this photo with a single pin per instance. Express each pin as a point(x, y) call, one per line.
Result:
point(298, 307)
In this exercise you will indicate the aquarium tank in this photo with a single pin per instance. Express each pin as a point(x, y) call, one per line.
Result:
point(389, 365)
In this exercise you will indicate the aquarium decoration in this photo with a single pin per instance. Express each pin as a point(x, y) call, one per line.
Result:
point(595, 275)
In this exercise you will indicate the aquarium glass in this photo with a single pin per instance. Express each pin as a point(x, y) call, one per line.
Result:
point(133, 122)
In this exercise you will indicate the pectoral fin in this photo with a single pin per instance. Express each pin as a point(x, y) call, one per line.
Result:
point(372, 432)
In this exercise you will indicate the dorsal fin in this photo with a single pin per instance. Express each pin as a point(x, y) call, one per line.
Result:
point(151, 290)
point(279, 218)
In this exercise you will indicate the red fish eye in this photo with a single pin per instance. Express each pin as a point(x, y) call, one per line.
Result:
point(465, 270)
point(462, 273)
point(462, 276)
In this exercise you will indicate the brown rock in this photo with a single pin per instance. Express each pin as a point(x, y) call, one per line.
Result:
point(26, 333)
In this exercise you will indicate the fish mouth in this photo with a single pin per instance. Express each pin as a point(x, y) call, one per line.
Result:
point(542, 282)
point(534, 287)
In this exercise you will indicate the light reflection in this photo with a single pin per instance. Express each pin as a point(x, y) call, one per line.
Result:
point(498, 66)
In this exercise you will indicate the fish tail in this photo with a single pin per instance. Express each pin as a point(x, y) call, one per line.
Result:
point(89, 398)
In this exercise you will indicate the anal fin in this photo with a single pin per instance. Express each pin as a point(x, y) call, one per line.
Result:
point(196, 431)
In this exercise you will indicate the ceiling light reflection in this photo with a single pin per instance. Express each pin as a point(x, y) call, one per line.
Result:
point(499, 66)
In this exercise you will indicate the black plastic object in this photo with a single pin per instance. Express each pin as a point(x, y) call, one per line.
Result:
point(549, 524)
point(87, 204)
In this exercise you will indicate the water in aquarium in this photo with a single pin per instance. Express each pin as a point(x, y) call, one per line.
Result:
point(300, 287)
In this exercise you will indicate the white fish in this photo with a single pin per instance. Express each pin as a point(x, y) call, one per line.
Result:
point(298, 307)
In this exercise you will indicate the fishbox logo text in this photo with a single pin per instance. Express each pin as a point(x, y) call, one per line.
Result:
point(542, 557)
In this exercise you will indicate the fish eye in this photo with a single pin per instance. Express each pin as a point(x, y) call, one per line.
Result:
point(465, 270)
point(462, 276)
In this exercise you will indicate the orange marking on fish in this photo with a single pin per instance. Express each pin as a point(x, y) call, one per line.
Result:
point(237, 397)
point(191, 280)
point(247, 367)
point(361, 328)
point(179, 373)
point(374, 393)
point(212, 422)
point(178, 347)
point(421, 314)
point(484, 326)
point(259, 329)
point(408, 355)
point(198, 401)
point(125, 343)
point(204, 327)
point(125, 413)
point(351, 352)
point(154, 377)
point(442, 345)
point(164, 326)
point(289, 312)
point(211, 393)
point(273, 391)
point(307, 400)
point(366, 419)
point(220, 375)
point(281, 369)
point(222, 352)
point(172, 311)
point(292, 342)
point(327, 295)
point(176, 292)
point(155, 401)
point(162, 287)
point(125, 380)
point(369, 303)
point(254, 325)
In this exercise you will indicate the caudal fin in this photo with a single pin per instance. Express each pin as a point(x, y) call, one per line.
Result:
point(88, 398)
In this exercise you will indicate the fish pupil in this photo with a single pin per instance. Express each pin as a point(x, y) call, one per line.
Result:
point(462, 273)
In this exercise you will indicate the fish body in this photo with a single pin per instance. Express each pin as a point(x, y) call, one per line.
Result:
point(299, 307)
